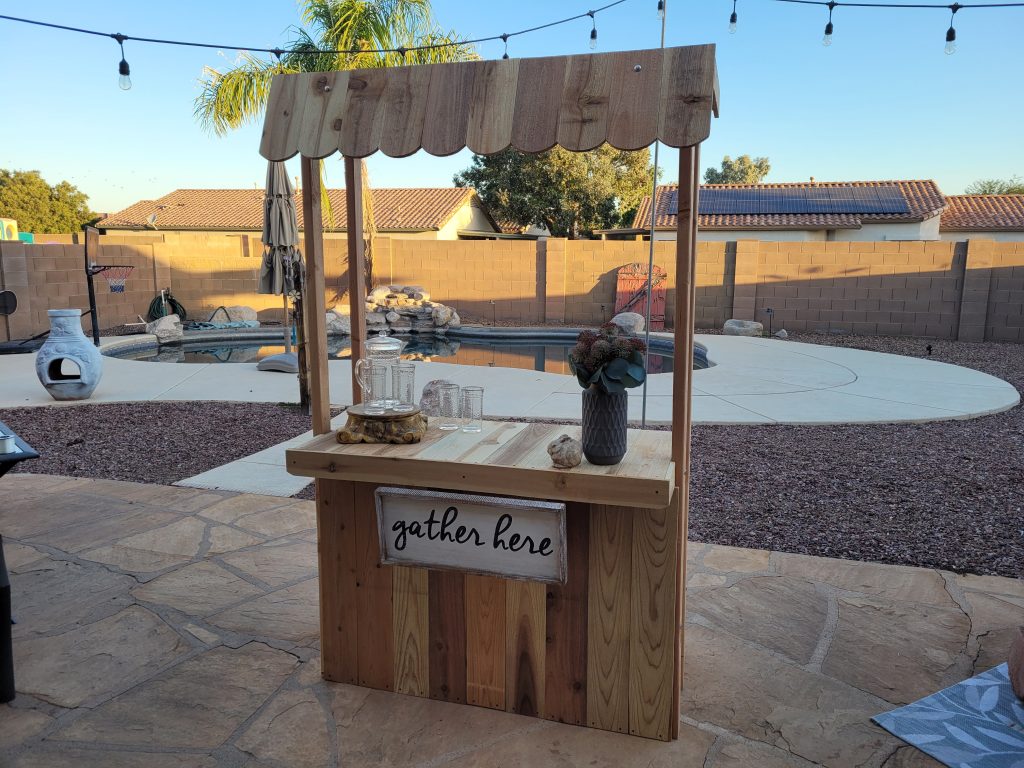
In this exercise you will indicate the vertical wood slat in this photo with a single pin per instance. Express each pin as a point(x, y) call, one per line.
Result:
point(356, 267)
point(485, 641)
point(280, 129)
point(404, 104)
point(447, 636)
point(373, 598)
point(687, 95)
point(633, 120)
point(608, 618)
point(583, 116)
point(492, 103)
point(565, 690)
point(525, 647)
point(410, 620)
point(336, 552)
point(323, 110)
point(447, 113)
point(314, 289)
point(652, 636)
point(362, 125)
point(538, 98)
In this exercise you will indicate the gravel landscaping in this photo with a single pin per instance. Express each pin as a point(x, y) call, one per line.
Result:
point(947, 494)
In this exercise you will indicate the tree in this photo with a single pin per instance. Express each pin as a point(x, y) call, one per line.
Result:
point(37, 207)
point(1012, 186)
point(570, 193)
point(742, 170)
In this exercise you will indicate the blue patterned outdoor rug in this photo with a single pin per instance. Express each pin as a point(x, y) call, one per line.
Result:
point(978, 723)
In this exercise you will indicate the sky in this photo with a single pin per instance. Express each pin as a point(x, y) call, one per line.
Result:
point(883, 102)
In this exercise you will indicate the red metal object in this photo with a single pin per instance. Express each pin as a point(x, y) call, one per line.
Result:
point(631, 293)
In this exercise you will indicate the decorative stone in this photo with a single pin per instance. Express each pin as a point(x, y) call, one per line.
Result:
point(782, 333)
point(565, 452)
point(393, 317)
point(284, 362)
point(67, 342)
point(338, 324)
point(241, 313)
point(378, 294)
point(376, 318)
point(397, 428)
point(167, 329)
point(743, 328)
point(430, 403)
point(1016, 664)
point(631, 322)
point(441, 314)
point(456, 321)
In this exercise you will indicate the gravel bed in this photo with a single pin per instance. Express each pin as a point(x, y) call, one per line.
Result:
point(945, 495)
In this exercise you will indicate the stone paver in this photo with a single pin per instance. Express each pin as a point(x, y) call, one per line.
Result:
point(206, 657)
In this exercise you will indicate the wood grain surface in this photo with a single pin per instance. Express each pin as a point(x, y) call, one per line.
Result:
point(485, 641)
point(373, 598)
point(525, 613)
point(315, 311)
point(447, 609)
point(578, 102)
point(335, 523)
point(410, 623)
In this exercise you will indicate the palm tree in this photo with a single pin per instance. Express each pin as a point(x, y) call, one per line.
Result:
point(360, 28)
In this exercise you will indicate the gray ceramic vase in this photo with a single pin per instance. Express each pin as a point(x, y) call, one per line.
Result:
point(604, 425)
point(67, 342)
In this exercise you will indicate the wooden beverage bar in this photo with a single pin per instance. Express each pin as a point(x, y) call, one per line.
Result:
point(465, 567)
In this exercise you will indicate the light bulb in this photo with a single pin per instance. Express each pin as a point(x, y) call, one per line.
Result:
point(950, 41)
point(124, 82)
point(593, 38)
point(827, 39)
point(732, 23)
point(661, 9)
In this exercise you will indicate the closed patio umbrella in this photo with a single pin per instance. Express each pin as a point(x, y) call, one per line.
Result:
point(279, 273)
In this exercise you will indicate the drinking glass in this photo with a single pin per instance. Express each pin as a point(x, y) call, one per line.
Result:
point(448, 402)
point(404, 387)
point(378, 403)
point(472, 409)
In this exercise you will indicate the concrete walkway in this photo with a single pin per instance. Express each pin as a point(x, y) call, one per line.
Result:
point(178, 628)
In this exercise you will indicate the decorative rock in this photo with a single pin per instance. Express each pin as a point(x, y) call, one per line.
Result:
point(393, 317)
point(442, 315)
point(240, 313)
point(1016, 664)
point(378, 294)
point(430, 404)
point(337, 324)
point(631, 322)
point(376, 318)
point(743, 328)
point(285, 362)
point(565, 452)
point(456, 321)
point(67, 342)
point(782, 333)
point(167, 329)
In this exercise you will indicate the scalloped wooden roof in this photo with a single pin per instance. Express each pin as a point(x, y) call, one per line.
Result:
point(627, 99)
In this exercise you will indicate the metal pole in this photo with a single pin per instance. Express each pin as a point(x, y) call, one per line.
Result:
point(92, 236)
point(6, 644)
point(650, 254)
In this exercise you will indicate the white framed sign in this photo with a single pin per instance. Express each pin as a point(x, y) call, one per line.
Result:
point(512, 538)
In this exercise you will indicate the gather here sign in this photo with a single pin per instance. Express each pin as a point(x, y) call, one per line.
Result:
point(513, 538)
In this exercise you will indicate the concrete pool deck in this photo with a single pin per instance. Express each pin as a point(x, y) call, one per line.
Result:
point(752, 381)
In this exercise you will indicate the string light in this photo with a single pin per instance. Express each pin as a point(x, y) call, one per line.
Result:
point(661, 9)
point(124, 80)
point(732, 19)
point(950, 48)
point(827, 39)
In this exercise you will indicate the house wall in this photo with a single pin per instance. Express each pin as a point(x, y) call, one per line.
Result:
point(969, 290)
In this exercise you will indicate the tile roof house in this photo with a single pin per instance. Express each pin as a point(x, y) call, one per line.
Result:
point(992, 217)
point(432, 213)
point(832, 210)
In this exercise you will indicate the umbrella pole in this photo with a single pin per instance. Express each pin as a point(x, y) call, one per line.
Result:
point(287, 325)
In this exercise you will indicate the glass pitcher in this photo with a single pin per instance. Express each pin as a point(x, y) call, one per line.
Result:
point(382, 354)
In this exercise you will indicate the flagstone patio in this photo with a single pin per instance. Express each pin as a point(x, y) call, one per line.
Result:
point(177, 627)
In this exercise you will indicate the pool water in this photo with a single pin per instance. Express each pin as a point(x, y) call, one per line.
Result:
point(550, 356)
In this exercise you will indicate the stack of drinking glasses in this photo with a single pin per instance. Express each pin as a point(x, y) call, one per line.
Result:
point(461, 407)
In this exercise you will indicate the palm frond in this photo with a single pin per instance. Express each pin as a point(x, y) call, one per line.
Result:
point(238, 96)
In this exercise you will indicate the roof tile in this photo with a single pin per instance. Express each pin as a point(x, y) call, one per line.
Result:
point(983, 212)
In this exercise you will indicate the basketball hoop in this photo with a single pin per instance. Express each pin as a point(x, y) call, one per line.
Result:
point(114, 274)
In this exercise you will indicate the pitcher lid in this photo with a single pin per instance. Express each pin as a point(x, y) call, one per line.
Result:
point(384, 343)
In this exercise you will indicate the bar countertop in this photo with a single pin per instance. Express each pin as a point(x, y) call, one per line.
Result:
point(504, 458)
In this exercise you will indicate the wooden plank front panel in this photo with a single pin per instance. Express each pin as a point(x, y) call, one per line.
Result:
point(410, 619)
point(608, 625)
point(336, 550)
point(447, 632)
point(652, 678)
point(524, 676)
point(485, 641)
point(373, 598)
point(565, 690)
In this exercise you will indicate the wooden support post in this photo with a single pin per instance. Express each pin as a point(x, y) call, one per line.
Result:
point(356, 264)
point(314, 314)
point(682, 382)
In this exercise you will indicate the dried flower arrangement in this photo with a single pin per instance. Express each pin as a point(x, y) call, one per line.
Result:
point(610, 358)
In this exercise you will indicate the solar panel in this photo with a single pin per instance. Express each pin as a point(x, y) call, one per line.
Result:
point(884, 199)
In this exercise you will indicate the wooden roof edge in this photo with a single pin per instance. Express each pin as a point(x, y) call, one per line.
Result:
point(627, 99)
